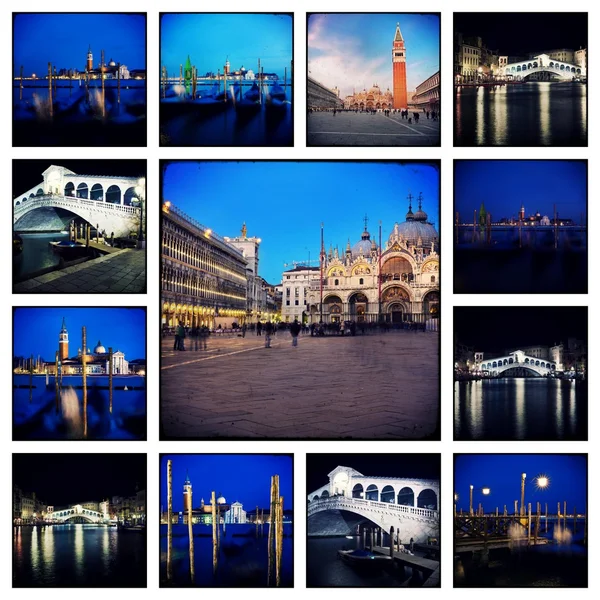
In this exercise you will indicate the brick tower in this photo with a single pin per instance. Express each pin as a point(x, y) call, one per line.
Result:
point(63, 342)
point(89, 65)
point(399, 66)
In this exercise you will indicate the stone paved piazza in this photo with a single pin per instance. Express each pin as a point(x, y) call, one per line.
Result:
point(382, 386)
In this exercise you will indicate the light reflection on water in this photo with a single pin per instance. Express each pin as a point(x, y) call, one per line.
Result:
point(520, 409)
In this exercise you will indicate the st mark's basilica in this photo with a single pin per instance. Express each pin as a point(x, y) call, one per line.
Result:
point(407, 290)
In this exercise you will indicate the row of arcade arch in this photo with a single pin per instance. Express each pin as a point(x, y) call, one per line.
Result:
point(427, 498)
point(112, 195)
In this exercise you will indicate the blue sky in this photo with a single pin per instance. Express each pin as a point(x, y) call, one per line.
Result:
point(355, 51)
point(538, 184)
point(36, 330)
point(210, 39)
point(502, 474)
point(63, 40)
point(242, 477)
point(284, 203)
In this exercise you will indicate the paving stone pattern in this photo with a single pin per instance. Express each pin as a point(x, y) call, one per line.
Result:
point(383, 386)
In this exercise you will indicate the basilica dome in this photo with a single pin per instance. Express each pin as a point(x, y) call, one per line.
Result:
point(221, 500)
point(415, 230)
point(99, 349)
point(364, 246)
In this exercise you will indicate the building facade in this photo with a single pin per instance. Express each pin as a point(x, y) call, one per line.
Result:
point(395, 284)
point(399, 70)
point(319, 96)
point(373, 99)
point(203, 278)
point(255, 294)
point(235, 514)
point(427, 94)
point(296, 286)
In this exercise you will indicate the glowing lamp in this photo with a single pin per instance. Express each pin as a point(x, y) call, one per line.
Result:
point(485, 491)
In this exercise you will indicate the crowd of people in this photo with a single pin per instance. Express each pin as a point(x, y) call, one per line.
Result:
point(387, 112)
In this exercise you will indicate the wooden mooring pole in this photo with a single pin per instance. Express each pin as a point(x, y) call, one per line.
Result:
point(84, 377)
point(110, 380)
point(31, 379)
point(169, 519)
point(392, 541)
point(190, 519)
point(21, 85)
point(213, 502)
point(56, 382)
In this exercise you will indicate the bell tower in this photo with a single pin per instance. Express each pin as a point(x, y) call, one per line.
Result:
point(399, 70)
point(63, 342)
point(187, 495)
point(89, 66)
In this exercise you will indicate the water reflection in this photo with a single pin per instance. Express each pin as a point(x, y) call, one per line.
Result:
point(545, 131)
point(35, 551)
point(106, 550)
point(500, 112)
point(48, 550)
point(79, 563)
point(520, 409)
point(480, 127)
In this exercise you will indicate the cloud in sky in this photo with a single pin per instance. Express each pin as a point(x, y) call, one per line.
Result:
point(353, 52)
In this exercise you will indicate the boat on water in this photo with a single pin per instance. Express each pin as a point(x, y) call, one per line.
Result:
point(363, 559)
point(277, 95)
point(68, 248)
point(17, 244)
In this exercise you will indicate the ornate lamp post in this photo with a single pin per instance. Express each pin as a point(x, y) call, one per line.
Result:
point(140, 191)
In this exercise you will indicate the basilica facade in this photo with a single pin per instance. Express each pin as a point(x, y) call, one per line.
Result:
point(372, 99)
point(397, 283)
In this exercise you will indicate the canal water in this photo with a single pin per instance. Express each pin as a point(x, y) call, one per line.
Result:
point(38, 419)
point(37, 254)
point(219, 124)
point(78, 556)
point(535, 113)
point(242, 559)
point(80, 117)
point(325, 569)
point(535, 408)
point(501, 267)
point(561, 563)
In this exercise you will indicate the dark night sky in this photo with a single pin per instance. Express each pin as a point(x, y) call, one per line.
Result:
point(502, 474)
point(537, 184)
point(242, 477)
point(60, 479)
point(520, 33)
point(64, 39)
point(497, 328)
point(424, 466)
point(28, 173)
point(36, 330)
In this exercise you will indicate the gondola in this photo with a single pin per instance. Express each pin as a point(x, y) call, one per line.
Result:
point(362, 559)
point(69, 249)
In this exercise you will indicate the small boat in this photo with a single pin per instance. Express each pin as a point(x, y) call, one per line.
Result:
point(69, 248)
point(17, 244)
point(277, 94)
point(363, 559)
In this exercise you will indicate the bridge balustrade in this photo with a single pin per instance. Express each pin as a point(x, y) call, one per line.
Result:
point(69, 201)
point(335, 501)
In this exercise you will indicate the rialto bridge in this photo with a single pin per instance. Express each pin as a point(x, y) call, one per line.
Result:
point(350, 499)
point(114, 204)
point(501, 365)
point(76, 513)
point(542, 64)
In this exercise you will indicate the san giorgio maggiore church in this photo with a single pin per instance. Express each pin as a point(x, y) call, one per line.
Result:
point(395, 284)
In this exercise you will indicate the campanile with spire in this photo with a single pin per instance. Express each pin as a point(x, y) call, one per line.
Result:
point(399, 70)
point(63, 342)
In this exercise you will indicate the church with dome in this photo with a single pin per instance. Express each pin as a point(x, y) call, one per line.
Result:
point(372, 99)
point(397, 283)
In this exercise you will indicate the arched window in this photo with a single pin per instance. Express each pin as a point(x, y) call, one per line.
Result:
point(510, 361)
point(361, 281)
point(113, 194)
point(388, 494)
point(526, 361)
point(19, 202)
point(542, 364)
point(325, 494)
point(82, 190)
point(336, 282)
point(427, 499)
point(130, 198)
point(406, 497)
point(372, 493)
point(69, 189)
point(433, 279)
point(40, 192)
point(96, 193)
point(357, 491)
point(537, 363)
point(315, 498)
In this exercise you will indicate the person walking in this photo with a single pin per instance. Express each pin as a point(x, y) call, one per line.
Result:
point(194, 335)
point(244, 330)
point(295, 330)
point(268, 333)
point(258, 328)
point(181, 336)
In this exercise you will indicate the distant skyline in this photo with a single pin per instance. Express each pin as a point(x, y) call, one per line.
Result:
point(244, 478)
point(284, 203)
point(498, 328)
point(527, 31)
point(242, 38)
point(567, 475)
point(354, 51)
point(419, 466)
point(503, 185)
point(64, 479)
point(36, 330)
point(64, 39)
